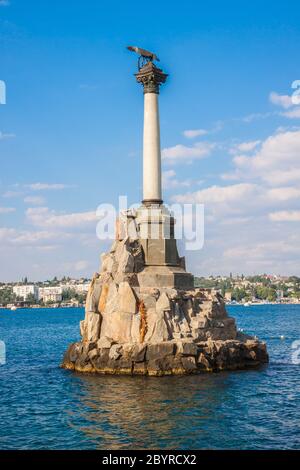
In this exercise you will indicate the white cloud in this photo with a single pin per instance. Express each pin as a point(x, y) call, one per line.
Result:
point(169, 180)
point(4, 136)
point(245, 146)
point(231, 176)
point(36, 200)
point(260, 251)
point(292, 114)
point(218, 194)
point(283, 101)
point(7, 210)
point(81, 265)
point(181, 153)
point(11, 194)
point(240, 202)
point(283, 177)
point(256, 117)
point(283, 194)
point(43, 217)
point(46, 186)
point(285, 216)
point(241, 219)
point(12, 236)
point(191, 134)
point(276, 162)
point(240, 233)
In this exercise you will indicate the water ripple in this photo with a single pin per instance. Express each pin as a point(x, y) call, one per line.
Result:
point(44, 407)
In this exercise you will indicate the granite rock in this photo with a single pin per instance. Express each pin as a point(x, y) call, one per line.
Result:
point(134, 329)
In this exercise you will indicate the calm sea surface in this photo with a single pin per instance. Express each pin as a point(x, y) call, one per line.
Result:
point(45, 407)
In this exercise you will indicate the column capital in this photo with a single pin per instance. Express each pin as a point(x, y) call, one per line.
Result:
point(151, 77)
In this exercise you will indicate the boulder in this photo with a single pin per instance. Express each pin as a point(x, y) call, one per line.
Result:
point(136, 328)
point(186, 348)
point(126, 298)
point(104, 342)
point(203, 362)
point(115, 352)
point(108, 262)
point(103, 298)
point(160, 332)
point(141, 329)
point(138, 352)
point(157, 351)
point(101, 360)
point(139, 262)
point(93, 324)
point(189, 364)
point(117, 326)
point(72, 353)
point(163, 303)
point(124, 257)
point(111, 301)
point(157, 329)
point(82, 328)
point(92, 354)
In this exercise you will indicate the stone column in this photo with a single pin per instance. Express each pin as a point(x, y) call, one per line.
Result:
point(151, 77)
point(163, 266)
point(151, 151)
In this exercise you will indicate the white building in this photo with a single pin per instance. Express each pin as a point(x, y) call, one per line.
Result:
point(50, 294)
point(82, 288)
point(78, 288)
point(52, 298)
point(25, 290)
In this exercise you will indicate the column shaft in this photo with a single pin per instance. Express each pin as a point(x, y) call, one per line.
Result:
point(151, 151)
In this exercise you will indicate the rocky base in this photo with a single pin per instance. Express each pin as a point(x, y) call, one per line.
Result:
point(132, 327)
point(166, 358)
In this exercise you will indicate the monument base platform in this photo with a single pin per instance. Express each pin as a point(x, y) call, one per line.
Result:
point(150, 320)
point(165, 276)
point(166, 358)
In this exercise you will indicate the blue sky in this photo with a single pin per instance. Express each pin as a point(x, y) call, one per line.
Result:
point(71, 130)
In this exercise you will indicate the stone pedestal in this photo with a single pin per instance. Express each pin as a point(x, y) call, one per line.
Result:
point(150, 320)
point(163, 266)
point(166, 276)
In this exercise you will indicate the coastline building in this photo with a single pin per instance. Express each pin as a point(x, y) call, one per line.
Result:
point(52, 297)
point(81, 288)
point(50, 294)
point(25, 290)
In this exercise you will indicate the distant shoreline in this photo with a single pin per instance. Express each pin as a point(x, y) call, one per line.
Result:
point(256, 304)
point(42, 308)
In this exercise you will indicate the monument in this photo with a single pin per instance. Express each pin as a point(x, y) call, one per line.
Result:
point(143, 314)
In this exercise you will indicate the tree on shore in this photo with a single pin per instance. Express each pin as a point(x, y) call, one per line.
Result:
point(30, 299)
point(7, 296)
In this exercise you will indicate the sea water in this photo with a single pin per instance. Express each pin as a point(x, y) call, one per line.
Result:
point(45, 407)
